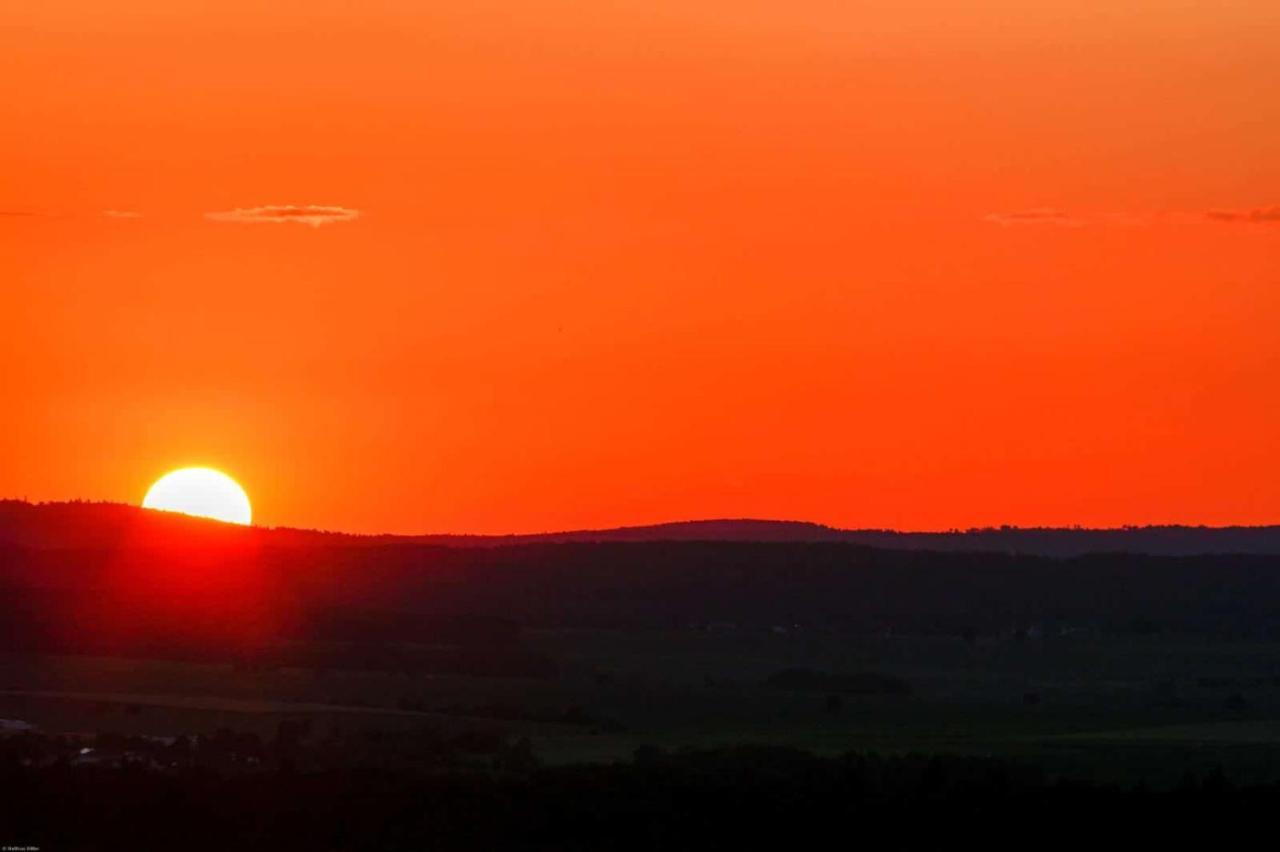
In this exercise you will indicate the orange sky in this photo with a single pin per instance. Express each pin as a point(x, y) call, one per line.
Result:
point(917, 264)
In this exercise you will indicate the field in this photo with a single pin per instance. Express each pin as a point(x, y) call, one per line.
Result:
point(1093, 707)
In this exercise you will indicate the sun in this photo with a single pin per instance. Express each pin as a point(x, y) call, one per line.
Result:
point(202, 492)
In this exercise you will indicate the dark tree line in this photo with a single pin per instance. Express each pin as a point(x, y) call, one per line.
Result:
point(736, 798)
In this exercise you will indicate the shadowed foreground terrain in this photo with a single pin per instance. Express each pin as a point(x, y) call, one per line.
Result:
point(739, 798)
point(285, 689)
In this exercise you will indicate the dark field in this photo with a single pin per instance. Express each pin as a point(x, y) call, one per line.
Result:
point(1114, 709)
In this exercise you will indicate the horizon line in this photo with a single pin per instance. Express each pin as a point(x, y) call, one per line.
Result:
point(624, 527)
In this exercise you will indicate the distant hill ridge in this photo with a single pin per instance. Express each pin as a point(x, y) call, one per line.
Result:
point(61, 525)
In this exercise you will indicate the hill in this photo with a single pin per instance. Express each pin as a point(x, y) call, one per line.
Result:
point(1055, 542)
point(81, 524)
point(117, 579)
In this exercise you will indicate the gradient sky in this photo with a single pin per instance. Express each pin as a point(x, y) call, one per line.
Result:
point(916, 264)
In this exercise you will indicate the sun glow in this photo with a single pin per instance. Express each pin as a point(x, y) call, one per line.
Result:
point(202, 492)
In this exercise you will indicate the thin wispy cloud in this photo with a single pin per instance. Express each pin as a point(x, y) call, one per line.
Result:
point(1053, 217)
point(314, 215)
point(1035, 216)
point(1256, 216)
point(71, 215)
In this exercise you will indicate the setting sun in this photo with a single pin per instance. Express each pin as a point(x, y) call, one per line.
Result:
point(735, 421)
point(202, 492)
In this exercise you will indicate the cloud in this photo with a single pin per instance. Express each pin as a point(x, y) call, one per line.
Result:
point(314, 215)
point(1256, 216)
point(1036, 216)
point(1052, 217)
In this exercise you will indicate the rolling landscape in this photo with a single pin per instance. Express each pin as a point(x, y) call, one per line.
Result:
point(131, 630)
point(663, 426)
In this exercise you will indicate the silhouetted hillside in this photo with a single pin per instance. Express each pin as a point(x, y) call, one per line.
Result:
point(163, 582)
point(79, 524)
point(1162, 540)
